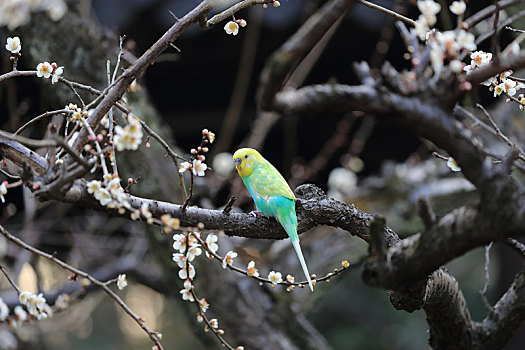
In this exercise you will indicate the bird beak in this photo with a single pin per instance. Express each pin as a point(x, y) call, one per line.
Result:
point(237, 161)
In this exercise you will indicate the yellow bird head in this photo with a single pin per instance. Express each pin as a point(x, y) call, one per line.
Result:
point(245, 160)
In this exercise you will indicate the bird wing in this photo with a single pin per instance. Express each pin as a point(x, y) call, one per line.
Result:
point(267, 182)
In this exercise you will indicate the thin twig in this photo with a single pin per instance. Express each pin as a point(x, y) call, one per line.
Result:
point(388, 12)
point(516, 245)
point(69, 85)
point(514, 29)
point(232, 11)
point(40, 117)
point(120, 52)
point(113, 162)
point(501, 135)
point(229, 205)
point(487, 11)
point(301, 284)
point(47, 143)
point(487, 277)
point(103, 285)
point(494, 44)
point(187, 200)
point(219, 336)
point(10, 280)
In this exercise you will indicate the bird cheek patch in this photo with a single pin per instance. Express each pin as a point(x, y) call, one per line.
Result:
point(247, 165)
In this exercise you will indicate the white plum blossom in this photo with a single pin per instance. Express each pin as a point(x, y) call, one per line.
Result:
point(169, 223)
point(421, 27)
point(512, 49)
point(480, 58)
point(23, 297)
point(228, 259)
point(436, 57)
point(466, 40)
point(180, 259)
point(458, 8)
point(521, 99)
point(199, 167)
point(128, 137)
point(3, 190)
point(62, 301)
point(211, 243)
point(451, 163)
point(448, 42)
point(468, 69)
point(20, 313)
point(429, 9)
point(490, 81)
point(231, 28)
point(455, 66)
point(93, 186)
point(275, 278)
point(179, 242)
point(13, 45)
point(183, 274)
point(208, 134)
point(509, 86)
point(242, 22)
point(36, 304)
point(4, 310)
point(194, 250)
point(103, 196)
point(184, 166)
point(44, 70)
point(214, 323)
point(251, 270)
point(111, 195)
point(144, 210)
point(193, 238)
point(122, 282)
point(186, 292)
point(498, 89)
point(57, 74)
point(203, 305)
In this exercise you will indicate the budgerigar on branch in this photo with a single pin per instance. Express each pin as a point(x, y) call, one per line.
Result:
point(271, 194)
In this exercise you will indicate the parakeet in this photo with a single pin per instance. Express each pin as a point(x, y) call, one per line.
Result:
point(271, 194)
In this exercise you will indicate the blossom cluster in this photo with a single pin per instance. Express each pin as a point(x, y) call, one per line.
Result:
point(111, 194)
point(128, 137)
point(444, 46)
point(189, 248)
point(198, 166)
point(20, 314)
point(77, 116)
point(49, 70)
point(15, 13)
point(169, 224)
point(36, 305)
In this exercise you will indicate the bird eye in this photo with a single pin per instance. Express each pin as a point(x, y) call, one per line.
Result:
point(245, 156)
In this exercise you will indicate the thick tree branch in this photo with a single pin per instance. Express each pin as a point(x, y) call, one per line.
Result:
point(505, 318)
point(137, 68)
